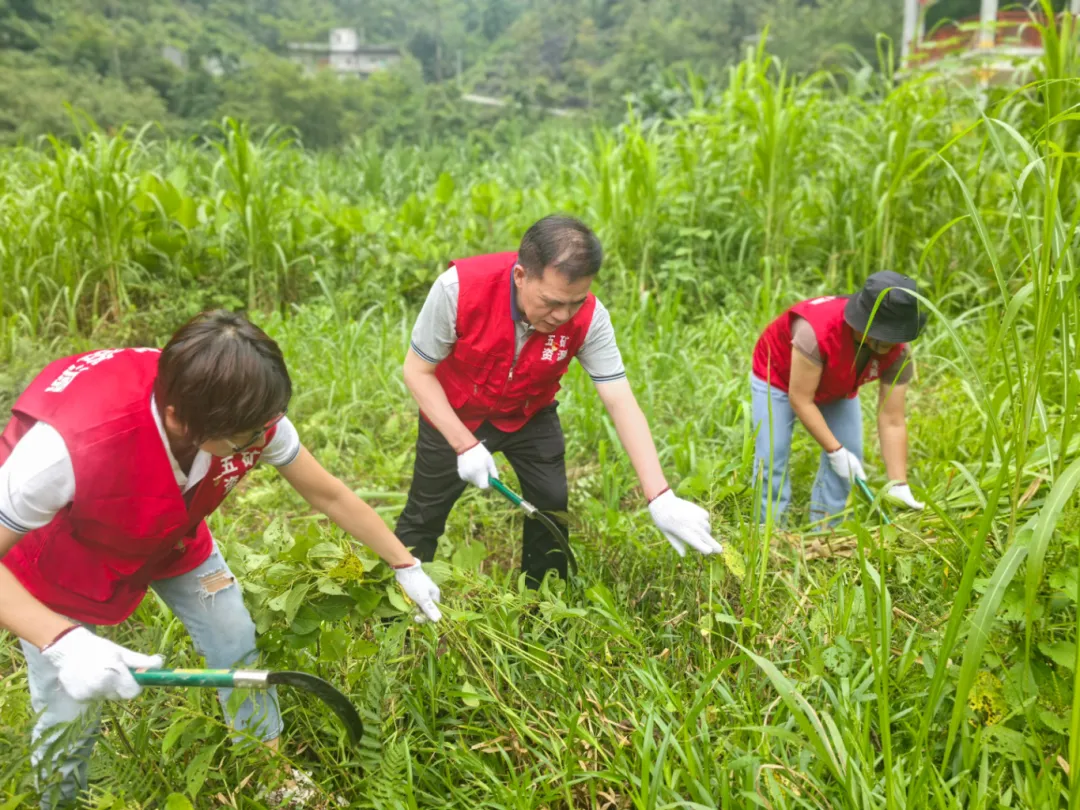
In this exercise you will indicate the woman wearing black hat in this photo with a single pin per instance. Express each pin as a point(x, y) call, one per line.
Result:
point(809, 363)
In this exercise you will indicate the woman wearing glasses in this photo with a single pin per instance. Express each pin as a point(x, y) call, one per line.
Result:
point(108, 469)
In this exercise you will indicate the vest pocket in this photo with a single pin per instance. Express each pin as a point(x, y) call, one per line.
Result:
point(476, 366)
point(72, 566)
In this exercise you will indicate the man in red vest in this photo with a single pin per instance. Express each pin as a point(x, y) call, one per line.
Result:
point(809, 364)
point(108, 468)
point(488, 352)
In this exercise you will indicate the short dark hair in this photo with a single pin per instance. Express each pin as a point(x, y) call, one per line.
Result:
point(565, 243)
point(223, 375)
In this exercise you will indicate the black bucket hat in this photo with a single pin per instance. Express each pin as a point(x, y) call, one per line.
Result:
point(899, 317)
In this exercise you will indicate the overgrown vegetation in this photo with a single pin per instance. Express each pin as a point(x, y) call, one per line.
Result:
point(588, 55)
point(932, 664)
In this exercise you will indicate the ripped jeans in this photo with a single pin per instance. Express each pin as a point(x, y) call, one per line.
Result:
point(209, 603)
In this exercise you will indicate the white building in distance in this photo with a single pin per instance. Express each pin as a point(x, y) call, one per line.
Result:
point(344, 54)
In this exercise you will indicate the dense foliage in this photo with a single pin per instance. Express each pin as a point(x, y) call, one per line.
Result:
point(108, 58)
point(929, 664)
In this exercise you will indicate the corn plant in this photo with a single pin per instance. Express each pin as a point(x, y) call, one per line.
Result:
point(930, 663)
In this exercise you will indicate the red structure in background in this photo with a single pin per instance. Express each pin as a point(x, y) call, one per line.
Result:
point(994, 47)
point(1013, 33)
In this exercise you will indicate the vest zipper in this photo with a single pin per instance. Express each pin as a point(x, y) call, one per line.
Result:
point(510, 376)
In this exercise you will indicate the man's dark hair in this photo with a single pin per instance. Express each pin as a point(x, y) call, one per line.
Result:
point(565, 243)
point(223, 375)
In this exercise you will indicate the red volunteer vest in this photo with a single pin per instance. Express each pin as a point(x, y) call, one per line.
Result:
point(129, 523)
point(480, 377)
point(836, 341)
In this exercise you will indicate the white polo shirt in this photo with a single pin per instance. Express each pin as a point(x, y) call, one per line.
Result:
point(435, 331)
point(38, 479)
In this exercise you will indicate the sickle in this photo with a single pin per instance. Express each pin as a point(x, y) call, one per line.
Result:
point(258, 679)
point(532, 512)
point(865, 490)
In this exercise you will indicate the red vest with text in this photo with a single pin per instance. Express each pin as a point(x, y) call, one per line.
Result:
point(836, 342)
point(480, 377)
point(128, 523)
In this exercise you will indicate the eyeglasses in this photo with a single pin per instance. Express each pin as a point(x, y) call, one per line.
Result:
point(258, 434)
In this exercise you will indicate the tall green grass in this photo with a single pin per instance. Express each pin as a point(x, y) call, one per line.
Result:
point(929, 664)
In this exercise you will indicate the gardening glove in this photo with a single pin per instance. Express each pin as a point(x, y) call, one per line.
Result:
point(475, 465)
point(683, 524)
point(90, 668)
point(419, 587)
point(846, 464)
point(901, 494)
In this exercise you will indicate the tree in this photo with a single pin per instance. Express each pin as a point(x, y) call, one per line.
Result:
point(809, 37)
point(17, 18)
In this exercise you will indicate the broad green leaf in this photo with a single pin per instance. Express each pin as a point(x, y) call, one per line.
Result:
point(333, 644)
point(307, 620)
point(444, 188)
point(1065, 581)
point(469, 695)
point(987, 698)
point(363, 649)
point(328, 586)
point(734, 561)
point(440, 571)
point(1059, 725)
point(397, 598)
point(178, 178)
point(174, 801)
point(295, 599)
point(325, 550)
point(1062, 653)
point(469, 556)
point(276, 537)
point(1005, 741)
point(197, 771)
point(173, 734)
point(301, 547)
point(280, 573)
point(366, 599)
point(278, 602)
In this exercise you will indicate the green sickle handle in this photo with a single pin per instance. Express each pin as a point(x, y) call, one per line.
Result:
point(870, 497)
point(533, 512)
point(512, 496)
point(218, 678)
point(258, 679)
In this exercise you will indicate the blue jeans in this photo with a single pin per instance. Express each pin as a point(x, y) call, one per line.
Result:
point(772, 449)
point(209, 603)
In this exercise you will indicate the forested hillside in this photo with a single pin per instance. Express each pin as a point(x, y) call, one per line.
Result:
point(107, 58)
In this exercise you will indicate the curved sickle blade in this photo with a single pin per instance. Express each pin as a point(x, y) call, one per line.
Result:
point(532, 512)
point(340, 704)
point(560, 538)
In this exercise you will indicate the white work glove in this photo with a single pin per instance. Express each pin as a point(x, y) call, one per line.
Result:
point(419, 587)
point(846, 464)
point(683, 524)
point(475, 465)
point(901, 494)
point(89, 667)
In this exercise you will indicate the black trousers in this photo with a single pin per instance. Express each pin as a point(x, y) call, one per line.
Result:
point(537, 452)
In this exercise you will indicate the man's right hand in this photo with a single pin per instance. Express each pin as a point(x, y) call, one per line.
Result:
point(92, 668)
point(476, 464)
point(846, 464)
point(683, 524)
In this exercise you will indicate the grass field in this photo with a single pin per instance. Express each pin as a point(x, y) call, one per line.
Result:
point(932, 664)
